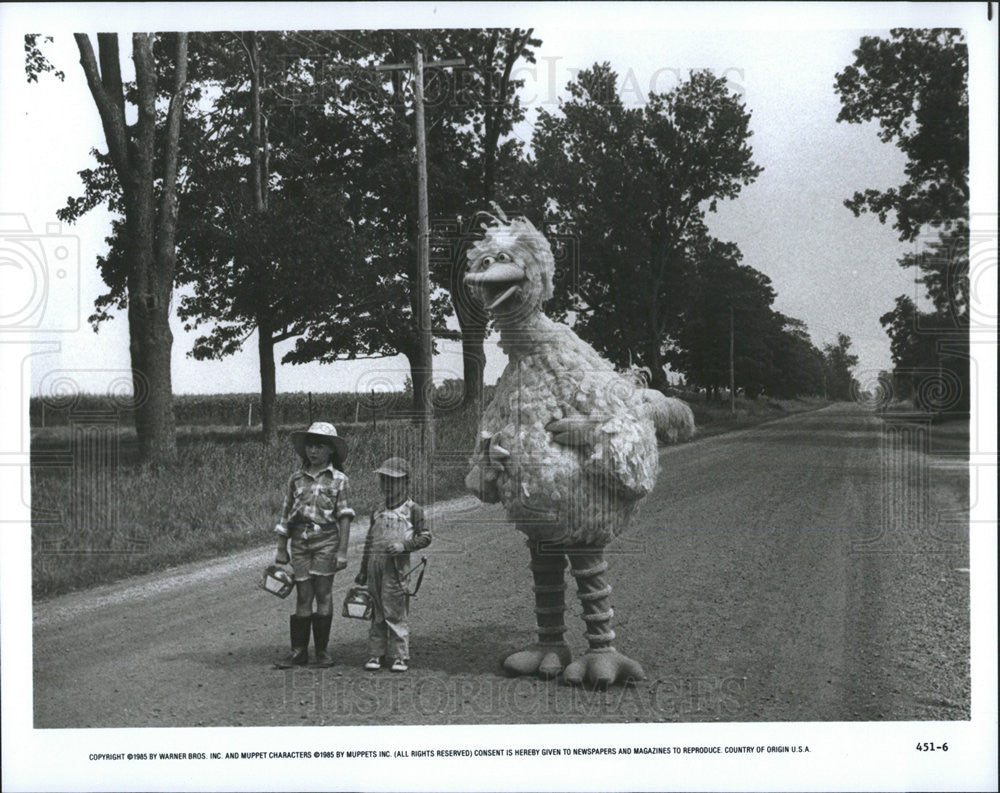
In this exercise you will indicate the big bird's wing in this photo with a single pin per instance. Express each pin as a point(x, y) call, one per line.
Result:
point(607, 424)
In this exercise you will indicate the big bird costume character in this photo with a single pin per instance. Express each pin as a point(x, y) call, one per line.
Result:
point(567, 445)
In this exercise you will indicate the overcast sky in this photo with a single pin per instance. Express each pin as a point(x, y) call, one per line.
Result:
point(830, 269)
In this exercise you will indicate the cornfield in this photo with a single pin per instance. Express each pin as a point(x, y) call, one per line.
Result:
point(241, 410)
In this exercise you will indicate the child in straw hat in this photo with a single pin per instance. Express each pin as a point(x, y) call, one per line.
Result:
point(313, 533)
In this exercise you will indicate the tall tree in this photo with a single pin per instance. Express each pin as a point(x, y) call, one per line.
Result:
point(264, 239)
point(728, 301)
point(800, 370)
point(383, 200)
point(489, 88)
point(637, 183)
point(839, 365)
point(915, 84)
point(930, 361)
point(144, 159)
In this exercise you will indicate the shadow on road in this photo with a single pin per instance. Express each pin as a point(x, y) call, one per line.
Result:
point(473, 650)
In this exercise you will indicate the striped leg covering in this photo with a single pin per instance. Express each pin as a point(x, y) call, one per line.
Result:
point(602, 664)
point(588, 568)
point(547, 568)
point(550, 654)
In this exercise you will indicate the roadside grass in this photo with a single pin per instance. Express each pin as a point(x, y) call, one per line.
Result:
point(714, 418)
point(98, 515)
point(102, 517)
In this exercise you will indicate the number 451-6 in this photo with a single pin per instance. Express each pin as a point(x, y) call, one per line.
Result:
point(930, 747)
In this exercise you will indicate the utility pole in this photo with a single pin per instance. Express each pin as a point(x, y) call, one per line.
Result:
point(426, 341)
point(423, 254)
point(732, 368)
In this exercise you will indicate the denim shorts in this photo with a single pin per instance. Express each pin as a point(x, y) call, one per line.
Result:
point(314, 551)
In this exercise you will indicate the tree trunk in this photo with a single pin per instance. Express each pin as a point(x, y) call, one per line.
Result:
point(472, 319)
point(473, 363)
point(258, 184)
point(268, 389)
point(655, 364)
point(472, 323)
point(150, 344)
point(151, 227)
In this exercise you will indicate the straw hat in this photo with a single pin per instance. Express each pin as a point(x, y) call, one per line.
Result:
point(323, 432)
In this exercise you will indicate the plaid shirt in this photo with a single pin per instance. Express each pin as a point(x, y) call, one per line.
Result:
point(318, 499)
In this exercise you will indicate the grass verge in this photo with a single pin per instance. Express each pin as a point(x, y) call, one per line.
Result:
point(715, 418)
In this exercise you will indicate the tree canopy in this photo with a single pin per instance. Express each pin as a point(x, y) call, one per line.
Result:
point(298, 214)
point(635, 184)
point(914, 85)
point(730, 302)
point(295, 203)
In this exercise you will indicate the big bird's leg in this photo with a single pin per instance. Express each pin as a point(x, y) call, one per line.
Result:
point(602, 664)
point(549, 655)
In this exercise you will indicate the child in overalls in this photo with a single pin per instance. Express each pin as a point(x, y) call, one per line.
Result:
point(395, 531)
point(316, 524)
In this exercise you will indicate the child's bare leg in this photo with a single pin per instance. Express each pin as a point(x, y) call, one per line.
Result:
point(304, 593)
point(323, 590)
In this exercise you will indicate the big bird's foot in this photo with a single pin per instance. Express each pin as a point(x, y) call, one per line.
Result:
point(544, 660)
point(603, 667)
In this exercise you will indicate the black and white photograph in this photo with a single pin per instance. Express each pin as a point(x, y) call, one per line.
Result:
point(450, 396)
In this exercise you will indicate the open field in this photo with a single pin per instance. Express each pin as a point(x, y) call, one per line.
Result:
point(98, 516)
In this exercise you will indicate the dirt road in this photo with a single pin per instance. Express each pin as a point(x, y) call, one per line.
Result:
point(787, 572)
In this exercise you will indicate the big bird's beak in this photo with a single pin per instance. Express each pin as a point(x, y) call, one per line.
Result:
point(498, 282)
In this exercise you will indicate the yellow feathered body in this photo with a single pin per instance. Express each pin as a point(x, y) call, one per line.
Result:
point(582, 494)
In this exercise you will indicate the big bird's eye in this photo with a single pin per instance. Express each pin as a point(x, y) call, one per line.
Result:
point(503, 257)
point(486, 261)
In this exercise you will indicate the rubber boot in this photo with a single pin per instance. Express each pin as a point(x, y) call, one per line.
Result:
point(299, 628)
point(321, 636)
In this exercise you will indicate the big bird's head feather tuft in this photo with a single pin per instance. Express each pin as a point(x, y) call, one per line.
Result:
point(516, 245)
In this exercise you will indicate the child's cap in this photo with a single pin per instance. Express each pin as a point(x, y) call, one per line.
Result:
point(323, 432)
point(395, 467)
